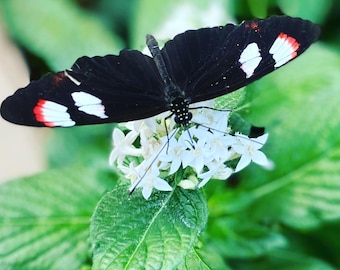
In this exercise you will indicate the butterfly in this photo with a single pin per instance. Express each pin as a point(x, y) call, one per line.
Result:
point(194, 66)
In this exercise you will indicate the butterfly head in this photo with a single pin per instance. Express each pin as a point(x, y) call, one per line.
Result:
point(180, 108)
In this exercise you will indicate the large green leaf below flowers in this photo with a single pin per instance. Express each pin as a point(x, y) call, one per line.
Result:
point(128, 232)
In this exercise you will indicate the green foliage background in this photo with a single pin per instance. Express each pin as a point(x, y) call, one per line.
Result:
point(78, 215)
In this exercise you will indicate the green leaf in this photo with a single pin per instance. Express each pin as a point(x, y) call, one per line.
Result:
point(237, 237)
point(45, 218)
point(130, 232)
point(57, 31)
point(299, 105)
point(306, 9)
point(231, 101)
point(203, 258)
point(81, 145)
point(321, 242)
point(259, 8)
point(285, 260)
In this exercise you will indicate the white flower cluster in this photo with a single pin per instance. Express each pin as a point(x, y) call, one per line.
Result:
point(154, 149)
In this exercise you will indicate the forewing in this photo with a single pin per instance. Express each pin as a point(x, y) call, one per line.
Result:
point(231, 57)
point(95, 90)
point(188, 55)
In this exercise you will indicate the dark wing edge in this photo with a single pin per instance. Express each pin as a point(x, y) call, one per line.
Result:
point(95, 90)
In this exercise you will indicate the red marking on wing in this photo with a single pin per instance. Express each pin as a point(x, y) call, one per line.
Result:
point(38, 111)
point(58, 77)
point(253, 25)
point(292, 42)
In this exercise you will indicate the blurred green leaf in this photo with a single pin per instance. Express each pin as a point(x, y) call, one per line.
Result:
point(306, 9)
point(117, 14)
point(81, 145)
point(45, 218)
point(284, 260)
point(322, 242)
point(237, 237)
point(57, 31)
point(130, 232)
point(259, 8)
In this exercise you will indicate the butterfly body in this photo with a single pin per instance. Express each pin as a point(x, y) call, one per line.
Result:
point(175, 97)
point(196, 65)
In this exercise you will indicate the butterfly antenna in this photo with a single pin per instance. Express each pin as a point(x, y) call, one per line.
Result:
point(211, 129)
point(136, 184)
point(166, 131)
point(247, 138)
point(236, 135)
point(191, 141)
point(210, 108)
point(213, 109)
point(216, 130)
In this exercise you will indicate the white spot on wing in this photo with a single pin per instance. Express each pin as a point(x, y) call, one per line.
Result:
point(49, 114)
point(250, 58)
point(284, 49)
point(89, 104)
point(66, 123)
point(75, 81)
point(53, 106)
point(83, 99)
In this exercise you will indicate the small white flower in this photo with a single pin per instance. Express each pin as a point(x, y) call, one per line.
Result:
point(131, 172)
point(217, 170)
point(149, 181)
point(248, 148)
point(123, 146)
point(150, 144)
point(173, 158)
point(197, 155)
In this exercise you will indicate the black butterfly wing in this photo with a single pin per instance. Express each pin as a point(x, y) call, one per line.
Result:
point(95, 90)
point(210, 62)
point(187, 56)
point(204, 63)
